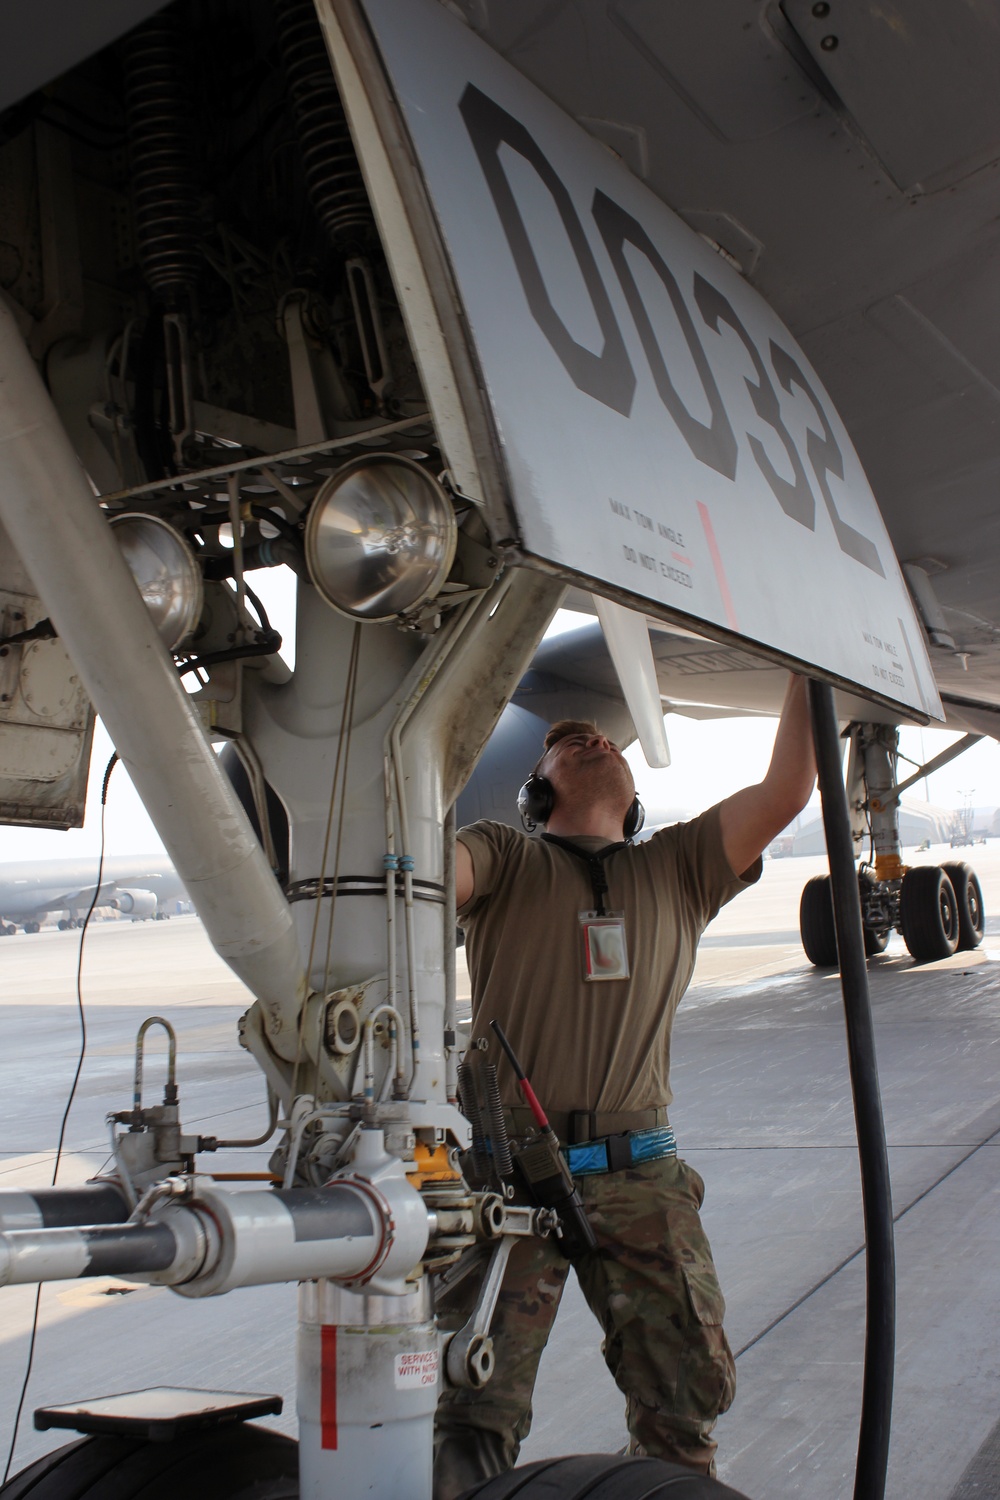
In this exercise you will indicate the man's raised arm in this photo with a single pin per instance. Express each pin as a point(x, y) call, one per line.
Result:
point(750, 819)
point(465, 880)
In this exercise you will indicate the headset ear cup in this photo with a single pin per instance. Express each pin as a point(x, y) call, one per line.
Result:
point(634, 819)
point(535, 801)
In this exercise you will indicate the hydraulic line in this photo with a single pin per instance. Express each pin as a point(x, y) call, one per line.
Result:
point(450, 923)
point(876, 1401)
point(413, 690)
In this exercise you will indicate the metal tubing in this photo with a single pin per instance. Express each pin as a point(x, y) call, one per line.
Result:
point(170, 1094)
point(270, 1236)
point(358, 1230)
point(61, 1208)
point(879, 742)
point(876, 1401)
point(416, 685)
point(450, 989)
point(945, 758)
point(53, 520)
point(33, 1255)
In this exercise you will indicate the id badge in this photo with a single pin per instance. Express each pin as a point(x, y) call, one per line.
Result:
point(605, 951)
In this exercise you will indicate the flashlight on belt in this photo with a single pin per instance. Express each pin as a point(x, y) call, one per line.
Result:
point(544, 1171)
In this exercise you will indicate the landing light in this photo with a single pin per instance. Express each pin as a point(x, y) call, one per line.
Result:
point(165, 571)
point(380, 538)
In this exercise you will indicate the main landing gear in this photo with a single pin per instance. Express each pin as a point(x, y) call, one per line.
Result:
point(938, 909)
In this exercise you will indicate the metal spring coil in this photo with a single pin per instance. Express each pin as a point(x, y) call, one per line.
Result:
point(333, 177)
point(498, 1127)
point(163, 161)
point(468, 1098)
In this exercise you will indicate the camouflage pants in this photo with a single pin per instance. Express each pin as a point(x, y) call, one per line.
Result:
point(652, 1286)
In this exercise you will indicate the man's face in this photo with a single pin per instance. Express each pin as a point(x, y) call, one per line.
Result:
point(589, 767)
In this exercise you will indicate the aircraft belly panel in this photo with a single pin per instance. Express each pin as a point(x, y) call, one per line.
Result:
point(664, 436)
point(46, 718)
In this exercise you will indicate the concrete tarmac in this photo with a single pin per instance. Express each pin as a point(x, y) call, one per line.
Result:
point(762, 1109)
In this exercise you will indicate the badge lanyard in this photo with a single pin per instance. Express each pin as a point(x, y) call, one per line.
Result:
point(605, 949)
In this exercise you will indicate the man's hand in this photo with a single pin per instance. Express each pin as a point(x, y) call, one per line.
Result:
point(750, 819)
point(465, 878)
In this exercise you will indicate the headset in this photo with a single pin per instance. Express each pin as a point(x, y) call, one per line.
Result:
point(537, 799)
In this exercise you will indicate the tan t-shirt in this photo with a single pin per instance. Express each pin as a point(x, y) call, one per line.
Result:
point(584, 1045)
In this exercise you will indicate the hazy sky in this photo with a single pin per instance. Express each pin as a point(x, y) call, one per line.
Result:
point(709, 760)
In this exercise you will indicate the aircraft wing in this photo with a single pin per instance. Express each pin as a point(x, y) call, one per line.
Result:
point(22, 900)
point(81, 897)
point(31, 888)
point(697, 678)
point(573, 676)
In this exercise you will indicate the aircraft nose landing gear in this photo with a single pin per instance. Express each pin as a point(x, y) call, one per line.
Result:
point(938, 909)
point(601, 1476)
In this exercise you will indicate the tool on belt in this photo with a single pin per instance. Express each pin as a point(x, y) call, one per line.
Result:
point(544, 1172)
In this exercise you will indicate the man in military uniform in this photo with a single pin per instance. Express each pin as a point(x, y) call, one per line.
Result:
point(581, 945)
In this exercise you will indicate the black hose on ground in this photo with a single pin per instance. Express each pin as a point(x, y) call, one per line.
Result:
point(880, 1329)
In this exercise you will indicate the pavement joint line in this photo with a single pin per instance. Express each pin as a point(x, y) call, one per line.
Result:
point(851, 1146)
point(836, 1270)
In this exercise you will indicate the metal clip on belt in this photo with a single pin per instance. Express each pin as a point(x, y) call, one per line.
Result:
point(613, 1152)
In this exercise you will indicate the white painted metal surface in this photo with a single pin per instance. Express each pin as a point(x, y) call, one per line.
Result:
point(49, 511)
point(665, 438)
point(369, 1370)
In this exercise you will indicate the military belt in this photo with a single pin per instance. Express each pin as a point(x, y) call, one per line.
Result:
point(574, 1127)
point(614, 1152)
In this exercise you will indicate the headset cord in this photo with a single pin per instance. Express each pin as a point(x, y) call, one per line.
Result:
point(69, 1105)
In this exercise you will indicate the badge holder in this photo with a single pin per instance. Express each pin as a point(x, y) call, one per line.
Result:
point(605, 950)
point(605, 946)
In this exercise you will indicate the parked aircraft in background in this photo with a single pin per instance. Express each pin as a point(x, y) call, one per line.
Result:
point(33, 891)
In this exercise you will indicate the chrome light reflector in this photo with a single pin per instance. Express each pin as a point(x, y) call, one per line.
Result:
point(165, 571)
point(380, 538)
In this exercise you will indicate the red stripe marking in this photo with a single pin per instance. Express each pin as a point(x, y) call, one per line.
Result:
point(328, 1385)
point(679, 557)
point(533, 1104)
point(720, 572)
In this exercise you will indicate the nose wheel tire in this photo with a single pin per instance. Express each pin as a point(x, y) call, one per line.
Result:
point(240, 1462)
point(929, 913)
point(969, 895)
point(601, 1476)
